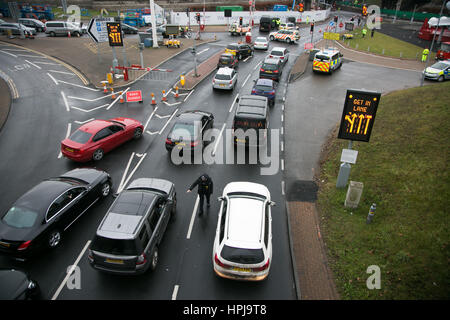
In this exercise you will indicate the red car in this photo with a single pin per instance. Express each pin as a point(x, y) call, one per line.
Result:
point(92, 140)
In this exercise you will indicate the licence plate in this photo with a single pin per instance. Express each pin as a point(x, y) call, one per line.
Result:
point(69, 149)
point(242, 269)
point(180, 143)
point(268, 71)
point(222, 85)
point(240, 140)
point(4, 244)
point(115, 261)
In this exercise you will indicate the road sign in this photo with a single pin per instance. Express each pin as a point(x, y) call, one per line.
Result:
point(97, 29)
point(358, 115)
point(134, 96)
point(309, 46)
point(349, 156)
point(331, 36)
point(114, 34)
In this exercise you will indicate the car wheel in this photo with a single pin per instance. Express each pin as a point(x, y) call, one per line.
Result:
point(54, 239)
point(289, 41)
point(272, 38)
point(173, 213)
point(98, 155)
point(52, 34)
point(441, 78)
point(240, 56)
point(154, 260)
point(105, 189)
point(137, 133)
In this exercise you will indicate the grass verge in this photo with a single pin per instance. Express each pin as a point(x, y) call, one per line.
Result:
point(404, 169)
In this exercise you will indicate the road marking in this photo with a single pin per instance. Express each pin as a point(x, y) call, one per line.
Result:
point(246, 79)
point(282, 146)
point(28, 56)
point(90, 100)
point(257, 65)
point(22, 50)
point(204, 50)
point(51, 77)
point(69, 273)
point(175, 292)
point(162, 117)
point(188, 95)
point(49, 63)
point(117, 99)
point(65, 101)
point(80, 109)
point(69, 73)
point(36, 66)
point(69, 128)
point(218, 140)
point(282, 164)
point(9, 53)
point(232, 105)
point(83, 122)
point(77, 85)
point(124, 183)
point(282, 107)
point(172, 104)
point(282, 188)
point(282, 130)
point(282, 118)
point(173, 114)
point(191, 224)
point(150, 118)
point(152, 133)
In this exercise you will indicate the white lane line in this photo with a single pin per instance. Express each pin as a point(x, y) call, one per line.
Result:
point(171, 104)
point(170, 119)
point(150, 118)
point(72, 269)
point(257, 65)
point(245, 60)
point(162, 117)
point(142, 156)
point(69, 128)
point(51, 77)
point(246, 79)
point(282, 118)
point(117, 99)
point(232, 105)
point(28, 56)
point(90, 100)
point(126, 171)
point(63, 72)
point(282, 164)
point(83, 122)
point(9, 53)
point(22, 50)
point(151, 133)
point(282, 130)
point(218, 139)
point(282, 146)
point(48, 63)
point(80, 109)
point(191, 224)
point(282, 188)
point(34, 65)
point(204, 50)
point(77, 85)
point(175, 292)
point(188, 95)
point(282, 107)
point(65, 101)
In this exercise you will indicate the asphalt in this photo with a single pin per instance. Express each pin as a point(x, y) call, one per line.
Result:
point(92, 66)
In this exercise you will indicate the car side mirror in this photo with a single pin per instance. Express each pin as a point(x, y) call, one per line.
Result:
point(220, 198)
point(254, 80)
point(272, 203)
point(237, 100)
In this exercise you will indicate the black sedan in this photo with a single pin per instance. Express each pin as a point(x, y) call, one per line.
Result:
point(39, 217)
point(17, 285)
point(127, 29)
point(127, 240)
point(188, 130)
point(240, 50)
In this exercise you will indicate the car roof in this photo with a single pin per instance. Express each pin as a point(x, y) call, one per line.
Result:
point(226, 54)
point(279, 49)
point(95, 125)
point(328, 52)
point(271, 60)
point(251, 105)
point(265, 82)
point(225, 70)
point(191, 116)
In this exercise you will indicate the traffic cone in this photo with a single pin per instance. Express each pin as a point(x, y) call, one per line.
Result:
point(68, 34)
point(121, 97)
point(176, 92)
point(113, 94)
point(105, 90)
point(153, 99)
point(164, 98)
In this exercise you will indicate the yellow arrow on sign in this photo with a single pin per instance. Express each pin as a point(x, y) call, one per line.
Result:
point(331, 36)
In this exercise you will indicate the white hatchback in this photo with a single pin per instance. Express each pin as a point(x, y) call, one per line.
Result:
point(261, 43)
point(225, 78)
point(243, 243)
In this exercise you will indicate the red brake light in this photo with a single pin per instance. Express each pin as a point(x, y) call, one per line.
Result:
point(168, 141)
point(24, 245)
point(264, 267)
point(141, 259)
point(253, 91)
point(261, 69)
point(282, 58)
point(276, 71)
point(216, 259)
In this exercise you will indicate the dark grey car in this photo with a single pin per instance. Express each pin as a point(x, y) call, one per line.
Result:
point(127, 240)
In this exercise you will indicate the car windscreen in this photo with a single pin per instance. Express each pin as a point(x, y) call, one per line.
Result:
point(225, 59)
point(115, 246)
point(440, 66)
point(243, 256)
point(263, 87)
point(261, 40)
point(19, 217)
point(131, 203)
point(220, 76)
point(80, 136)
point(181, 129)
point(322, 58)
point(232, 47)
point(269, 66)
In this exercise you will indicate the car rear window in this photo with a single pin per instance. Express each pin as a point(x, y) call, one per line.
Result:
point(322, 58)
point(19, 217)
point(263, 88)
point(269, 66)
point(80, 136)
point(114, 246)
point(261, 40)
point(225, 59)
point(180, 129)
point(232, 47)
point(277, 53)
point(243, 256)
point(222, 77)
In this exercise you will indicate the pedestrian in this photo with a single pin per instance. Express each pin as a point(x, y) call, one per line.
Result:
point(364, 31)
point(205, 189)
point(372, 32)
point(425, 55)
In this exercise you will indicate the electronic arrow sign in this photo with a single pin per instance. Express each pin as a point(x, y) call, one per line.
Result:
point(358, 115)
point(114, 34)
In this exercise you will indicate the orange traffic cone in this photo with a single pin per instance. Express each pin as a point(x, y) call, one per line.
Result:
point(121, 97)
point(153, 99)
point(113, 94)
point(105, 90)
point(68, 34)
point(164, 98)
point(176, 92)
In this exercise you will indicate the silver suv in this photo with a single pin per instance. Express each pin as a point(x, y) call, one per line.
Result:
point(54, 28)
point(225, 78)
point(127, 240)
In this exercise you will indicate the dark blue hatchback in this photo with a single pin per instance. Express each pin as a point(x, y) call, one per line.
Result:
point(265, 88)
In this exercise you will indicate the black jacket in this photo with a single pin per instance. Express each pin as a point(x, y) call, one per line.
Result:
point(204, 187)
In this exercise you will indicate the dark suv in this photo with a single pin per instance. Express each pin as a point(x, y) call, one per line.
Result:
point(227, 60)
point(127, 240)
point(240, 50)
point(271, 69)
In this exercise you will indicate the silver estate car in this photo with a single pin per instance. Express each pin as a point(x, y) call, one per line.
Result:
point(225, 78)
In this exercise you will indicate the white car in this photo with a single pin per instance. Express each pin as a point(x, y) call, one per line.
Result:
point(280, 53)
point(225, 78)
point(261, 43)
point(243, 243)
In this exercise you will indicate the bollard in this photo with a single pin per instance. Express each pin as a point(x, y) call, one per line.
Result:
point(182, 80)
point(164, 98)
point(176, 92)
point(371, 214)
point(121, 97)
point(153, 99)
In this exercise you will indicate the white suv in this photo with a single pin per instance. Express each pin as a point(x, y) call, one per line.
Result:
point(225, 78)
point(243, 243)
point(280, 53)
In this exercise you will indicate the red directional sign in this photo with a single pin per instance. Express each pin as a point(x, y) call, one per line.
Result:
point(134, 96)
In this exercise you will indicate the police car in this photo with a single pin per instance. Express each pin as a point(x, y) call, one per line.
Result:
point(439, 71)
point(327, 60)
point(289, 36)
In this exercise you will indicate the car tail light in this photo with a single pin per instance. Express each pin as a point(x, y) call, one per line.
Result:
point(281, 58)
point(270, 56)
point(262, 70)
point(264, 267)
point(168, 141)
point(276, 71)
point(194, 144)
point(24, 245)
point(220, 263)
point(253, 91)
point(272, 93)
point(141, 259)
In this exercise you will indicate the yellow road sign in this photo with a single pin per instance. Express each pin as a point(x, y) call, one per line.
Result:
point(331, 36)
